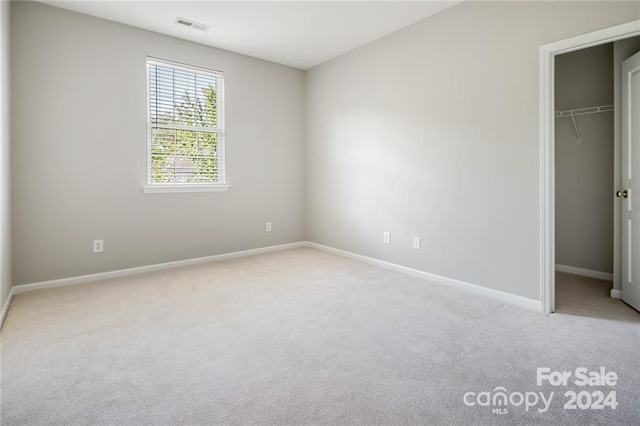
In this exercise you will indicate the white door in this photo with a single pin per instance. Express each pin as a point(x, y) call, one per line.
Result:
point(630, 193)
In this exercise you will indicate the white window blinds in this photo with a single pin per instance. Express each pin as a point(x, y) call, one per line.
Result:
point(185, 124)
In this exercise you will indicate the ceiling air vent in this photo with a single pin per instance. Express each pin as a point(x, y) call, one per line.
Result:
point(192, 24)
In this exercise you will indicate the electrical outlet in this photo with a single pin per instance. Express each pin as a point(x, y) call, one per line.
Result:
point(267, 227)
point(416, 243)
point(98, 246)
point(386, 237)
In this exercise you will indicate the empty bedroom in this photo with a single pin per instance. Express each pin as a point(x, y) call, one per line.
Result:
point(319, 212)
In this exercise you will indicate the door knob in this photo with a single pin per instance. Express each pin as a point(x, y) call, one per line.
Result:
point(623, 194)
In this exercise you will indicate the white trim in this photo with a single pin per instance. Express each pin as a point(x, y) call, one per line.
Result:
point(547, 185)
point(221, 122)
point(616, 294)
point(547, 145)
point(438, 279)
point(163, 189)
point(184, 67)
point(595, 38)
point(5, 308)
point(606, 276)
point(23, 288)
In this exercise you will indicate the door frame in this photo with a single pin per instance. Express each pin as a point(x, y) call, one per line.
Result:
point(547, 147)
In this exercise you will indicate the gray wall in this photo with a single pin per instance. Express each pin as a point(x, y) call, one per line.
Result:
point(622, 50)
point(584, 171)
point(79, 150)
point(433, 131)
point(5, 211)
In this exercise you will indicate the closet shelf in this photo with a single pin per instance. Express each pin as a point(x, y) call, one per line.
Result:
point(582, 111)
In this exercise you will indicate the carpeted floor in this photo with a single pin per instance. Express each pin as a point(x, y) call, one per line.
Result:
point(305, 337)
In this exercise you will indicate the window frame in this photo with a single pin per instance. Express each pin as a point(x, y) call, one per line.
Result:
point(221, 184)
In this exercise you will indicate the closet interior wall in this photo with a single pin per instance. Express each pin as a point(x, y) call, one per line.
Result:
point(585, 160)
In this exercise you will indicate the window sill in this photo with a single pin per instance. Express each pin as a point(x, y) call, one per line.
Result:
point(161, 189)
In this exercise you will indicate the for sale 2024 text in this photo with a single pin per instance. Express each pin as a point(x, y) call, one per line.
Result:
point(582, 377)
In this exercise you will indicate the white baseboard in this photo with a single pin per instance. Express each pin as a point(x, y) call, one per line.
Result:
point(606, 276)
point(5, 308)
point(484, 291)
point(22, 288)
point(438, 279)
point(616, 294)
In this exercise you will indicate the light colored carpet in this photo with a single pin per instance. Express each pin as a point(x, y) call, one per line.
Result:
point(297, 338)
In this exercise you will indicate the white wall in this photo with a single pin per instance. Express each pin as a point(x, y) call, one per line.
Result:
point(79, 150)
point(433, 131)
point(584, 171)
point(5, 210)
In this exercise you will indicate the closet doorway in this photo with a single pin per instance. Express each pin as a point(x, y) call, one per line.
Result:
point(584, 172)
point(581, 170)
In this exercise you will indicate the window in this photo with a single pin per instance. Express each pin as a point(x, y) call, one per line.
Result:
point(185, 128)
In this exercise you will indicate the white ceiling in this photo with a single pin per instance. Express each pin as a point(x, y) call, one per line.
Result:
point(300, 34)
